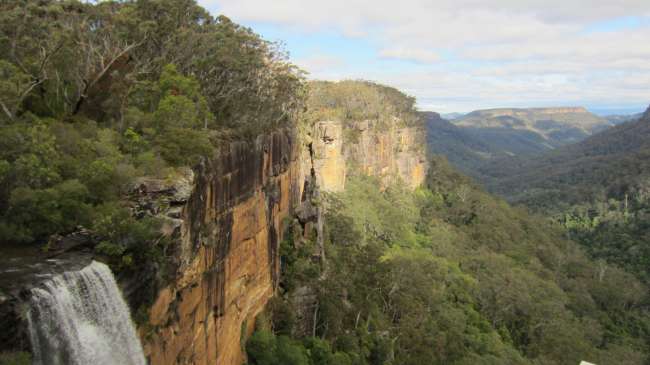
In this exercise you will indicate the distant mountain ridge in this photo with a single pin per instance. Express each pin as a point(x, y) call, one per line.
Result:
point(502, 147)
point(558, 126)
point(608, 163)
point(528, 111)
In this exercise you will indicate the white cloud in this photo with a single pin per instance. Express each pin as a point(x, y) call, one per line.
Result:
point(480, 52)
point(319, 63)
point(410, 54)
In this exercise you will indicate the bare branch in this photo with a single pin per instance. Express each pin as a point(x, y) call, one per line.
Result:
point(6, 110)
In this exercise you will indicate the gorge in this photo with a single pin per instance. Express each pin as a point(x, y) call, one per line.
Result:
point(174, 190)
point(225, 221)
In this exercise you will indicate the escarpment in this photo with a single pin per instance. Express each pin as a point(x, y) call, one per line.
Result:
point(390, 152)
point(231, 225)
point(195, 298)
point(230, 229)
point(224, 221)
point(363, 128)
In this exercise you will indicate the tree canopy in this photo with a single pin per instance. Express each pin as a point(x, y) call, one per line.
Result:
point(93, 95)
point(448, 274)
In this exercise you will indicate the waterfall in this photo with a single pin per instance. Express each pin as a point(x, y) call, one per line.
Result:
point(80, 318)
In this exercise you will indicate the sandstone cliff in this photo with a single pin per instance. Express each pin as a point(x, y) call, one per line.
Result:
point(390, 152)
point(230, 228)
point(224, 221)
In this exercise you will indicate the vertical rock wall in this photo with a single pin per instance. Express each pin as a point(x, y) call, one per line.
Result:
point(389, 152)
point(232, 223)
point(226, 220)
point(230, 232)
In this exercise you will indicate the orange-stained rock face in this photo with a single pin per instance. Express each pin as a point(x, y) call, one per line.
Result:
point(232, 225)
point(388, 152)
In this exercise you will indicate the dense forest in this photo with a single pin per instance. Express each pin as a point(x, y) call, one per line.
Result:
point(95, 95)
point(463, 150)
point(597, 189)
point(447, 275)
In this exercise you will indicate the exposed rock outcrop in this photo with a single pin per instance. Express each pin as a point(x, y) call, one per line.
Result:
point(389, 152)
point(231, 227)
point(225, 220)
point(232, 224)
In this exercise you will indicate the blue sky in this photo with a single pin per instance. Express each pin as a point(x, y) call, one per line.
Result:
point(461, 55)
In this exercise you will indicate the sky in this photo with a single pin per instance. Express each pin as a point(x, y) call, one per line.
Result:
point(463, 55)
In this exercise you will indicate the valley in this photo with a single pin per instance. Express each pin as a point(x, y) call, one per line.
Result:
point(496, 136)
point(174, 190)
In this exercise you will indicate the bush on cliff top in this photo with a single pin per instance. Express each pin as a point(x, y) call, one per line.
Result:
point(95, 94)
point(348, 101)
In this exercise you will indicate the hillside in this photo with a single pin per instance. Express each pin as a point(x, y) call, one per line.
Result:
point(615, 119)
point(173, 191)
point(597, 189)
point(530, 131)
point(606, 164)
point(465, 151)
point(446, 274)
point(480, 142)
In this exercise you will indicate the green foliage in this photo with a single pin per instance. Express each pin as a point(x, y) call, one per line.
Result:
point(596, 189)
point(614, 231)
point(33, 213)
point(451, 275)
point(183, 146)
point(388, 216)
point(93, 95)
point(13, 84)
point(133, 142)
point(359, 100)
point(110, 249)
point(125, 239)
point(118, 225)
point(261, 348)
point(297, 264)
point(283, 317)
point(265, 348)
point(290, 353)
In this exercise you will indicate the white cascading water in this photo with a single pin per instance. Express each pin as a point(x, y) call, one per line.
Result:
point(80, 317)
